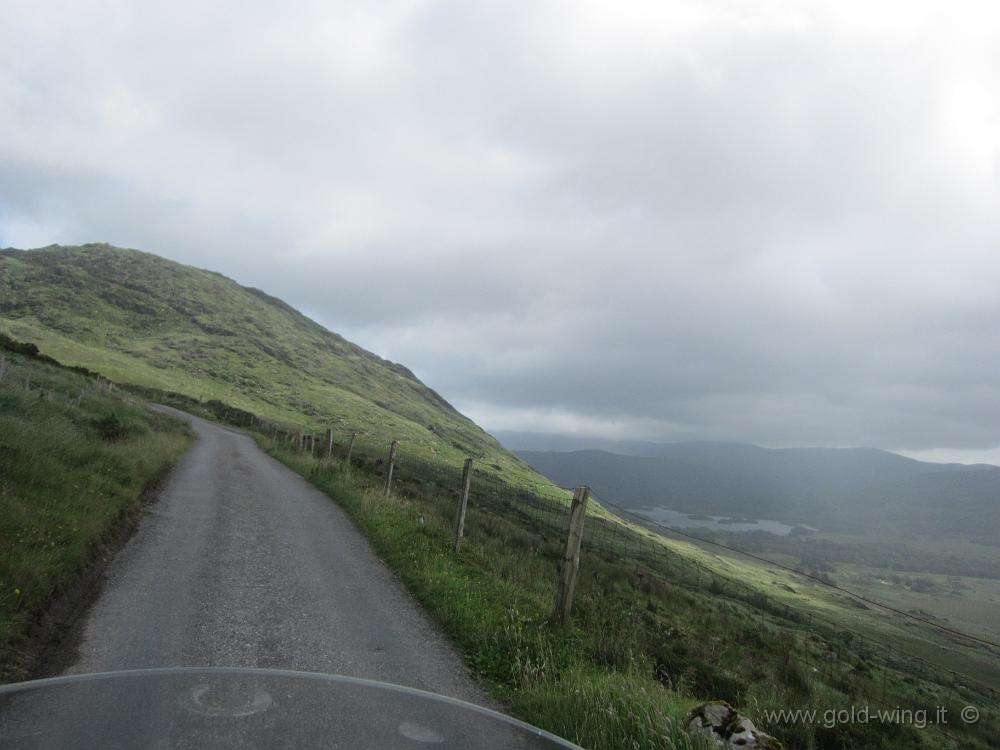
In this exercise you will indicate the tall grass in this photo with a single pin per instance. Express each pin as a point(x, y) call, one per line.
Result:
point(500, 622)
point(74, 461)
point(641, 651)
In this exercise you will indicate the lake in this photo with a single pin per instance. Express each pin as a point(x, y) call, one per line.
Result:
point(680, 520)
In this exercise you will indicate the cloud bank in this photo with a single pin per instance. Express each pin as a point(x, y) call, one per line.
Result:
point(773, 222)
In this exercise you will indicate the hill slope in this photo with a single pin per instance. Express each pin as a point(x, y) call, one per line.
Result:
point(75, 462)
point(140, 319)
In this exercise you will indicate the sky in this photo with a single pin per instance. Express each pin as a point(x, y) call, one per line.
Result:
point(772, 222)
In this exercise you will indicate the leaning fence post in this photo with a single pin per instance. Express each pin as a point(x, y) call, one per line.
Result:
point(350, 449)
point(463, 503)
point(392, 463)
point(329, 443)
point(570, 563)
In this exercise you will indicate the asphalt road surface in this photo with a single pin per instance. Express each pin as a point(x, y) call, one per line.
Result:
point(241, 563)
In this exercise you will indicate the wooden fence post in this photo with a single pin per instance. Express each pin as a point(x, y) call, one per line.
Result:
point(392, 464)
point(570, 564)
point(329, 443)
point(312, 445)
point(463, 503)
point(350, 449)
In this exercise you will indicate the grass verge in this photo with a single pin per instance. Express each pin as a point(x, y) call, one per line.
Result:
point(540, 672)
point(75, 460)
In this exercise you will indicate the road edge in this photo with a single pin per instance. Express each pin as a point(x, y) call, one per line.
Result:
point(54, 637)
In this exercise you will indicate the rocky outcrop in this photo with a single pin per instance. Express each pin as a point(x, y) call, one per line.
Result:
point(728, 728)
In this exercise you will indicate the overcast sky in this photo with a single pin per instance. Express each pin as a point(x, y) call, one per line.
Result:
point(765, 221)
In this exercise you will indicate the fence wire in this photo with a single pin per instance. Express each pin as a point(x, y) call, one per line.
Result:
point(634, 545)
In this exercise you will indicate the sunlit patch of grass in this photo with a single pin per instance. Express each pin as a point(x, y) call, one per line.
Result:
point(611, 709)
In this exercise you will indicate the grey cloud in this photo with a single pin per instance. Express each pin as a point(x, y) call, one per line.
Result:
point(760, 235)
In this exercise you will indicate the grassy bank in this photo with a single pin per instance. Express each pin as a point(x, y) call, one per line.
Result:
point(643, 649)
point(75, 459)
point(495, 608)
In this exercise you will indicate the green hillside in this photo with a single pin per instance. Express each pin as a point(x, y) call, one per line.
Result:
point(76, 460)
point(140, 319)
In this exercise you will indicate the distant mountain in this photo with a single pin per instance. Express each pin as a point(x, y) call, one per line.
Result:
point(833, 489)
point(141, 319)
point(517, 440)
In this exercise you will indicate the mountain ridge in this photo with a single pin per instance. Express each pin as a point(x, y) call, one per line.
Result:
point(832, 489)
point(522, 440)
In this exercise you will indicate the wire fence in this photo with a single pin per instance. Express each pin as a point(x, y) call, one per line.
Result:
point(637, 544)
point(53, 389)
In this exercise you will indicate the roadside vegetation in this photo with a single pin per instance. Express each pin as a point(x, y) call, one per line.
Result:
point(643, 648)
point(75, 459)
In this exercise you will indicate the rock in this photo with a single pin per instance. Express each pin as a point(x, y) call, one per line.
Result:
point(724, 724)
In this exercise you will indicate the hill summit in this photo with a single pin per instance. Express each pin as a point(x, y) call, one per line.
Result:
point(141, 319)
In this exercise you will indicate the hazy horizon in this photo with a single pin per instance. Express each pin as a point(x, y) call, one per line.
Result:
point(510, 439)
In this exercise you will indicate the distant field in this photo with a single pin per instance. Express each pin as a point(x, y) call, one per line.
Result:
point(965, 612)
point(951, 581)
point(968, 604)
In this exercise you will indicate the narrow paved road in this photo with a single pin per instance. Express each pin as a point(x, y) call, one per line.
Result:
point(242, 563)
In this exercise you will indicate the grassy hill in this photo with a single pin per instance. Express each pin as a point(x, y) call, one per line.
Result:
point(139, 319)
